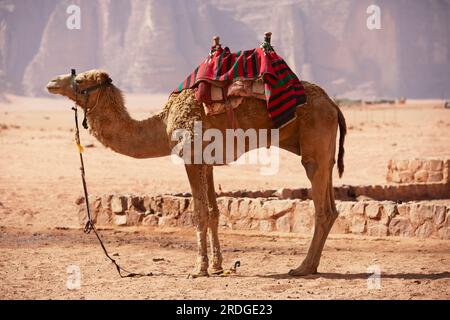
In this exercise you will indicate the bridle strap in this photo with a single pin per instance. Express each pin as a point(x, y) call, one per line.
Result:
point(86, 92)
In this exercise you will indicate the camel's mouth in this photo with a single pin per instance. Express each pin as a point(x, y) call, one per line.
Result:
point(53, 87)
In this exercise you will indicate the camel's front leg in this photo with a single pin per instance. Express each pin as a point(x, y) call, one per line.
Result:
point(213, 224)
point(198, 182)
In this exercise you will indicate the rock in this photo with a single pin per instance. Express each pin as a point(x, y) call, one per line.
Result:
point(390, 208)
point(242, 224)
point(234, 208)
point(276, 208)
point(167, 221)
point(171, 206)
point(435, 177)
point(344, 208)
point(440, 213)
point(283, 224)
point(434, 165)
point(106, 201)
point(185, 219)
point(302, 217)
point(364, 198)
point(420, 212)
point(341, 225)
point(378, 230)
point(266, 225)
point(223, 221)
point(358, 224)
point(184, 203)
point(155, 205)
point(136, 203)
point(223, 203)
point(373, 210)
point(421, 176)
point(395, 177)
point(390, 164)
point(120, 220)
point(414, 165)
point(118, 204)
point(79, 200)
point(82, 216)
point(134, 218)
point(425, 230)
point(444, 233)
point(283, 193)
point(406, 177)
point(150, 220)
point(402, 165)
point(146, 201)
point(400, 226)
point(246, 208)
point(403, 209)
point(359, 208)
point(446, 171)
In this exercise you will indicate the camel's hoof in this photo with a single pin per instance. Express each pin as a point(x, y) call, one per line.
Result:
point(198, 274)
point(301, 272)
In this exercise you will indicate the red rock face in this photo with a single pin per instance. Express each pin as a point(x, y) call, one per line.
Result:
point(150, 46)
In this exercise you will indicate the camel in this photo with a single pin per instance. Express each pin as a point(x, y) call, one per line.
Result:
point(312, 135)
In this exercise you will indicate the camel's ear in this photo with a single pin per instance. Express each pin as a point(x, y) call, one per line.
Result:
point(101, 77)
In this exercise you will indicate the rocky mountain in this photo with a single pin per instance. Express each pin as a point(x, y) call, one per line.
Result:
point(151, 45)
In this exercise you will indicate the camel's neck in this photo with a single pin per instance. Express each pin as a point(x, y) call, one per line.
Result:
point(111, 124)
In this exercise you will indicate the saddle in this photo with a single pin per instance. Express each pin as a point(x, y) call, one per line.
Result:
point(224, 78)
point(215, 95)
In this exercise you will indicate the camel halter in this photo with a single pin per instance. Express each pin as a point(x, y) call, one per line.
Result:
point(85, 93)
point(90, 226)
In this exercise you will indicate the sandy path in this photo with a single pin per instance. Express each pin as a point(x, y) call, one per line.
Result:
point(34, 265)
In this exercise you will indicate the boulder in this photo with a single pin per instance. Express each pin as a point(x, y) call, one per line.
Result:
point(358, 225)
point(120, 220)
point(150, 220)
point(400, 226)
point(425, 230)
point(373, 210)
point(119, 204)
point(283, 223)
point(421, 176)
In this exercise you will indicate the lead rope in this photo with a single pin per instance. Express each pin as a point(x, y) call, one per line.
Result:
point(90, 226)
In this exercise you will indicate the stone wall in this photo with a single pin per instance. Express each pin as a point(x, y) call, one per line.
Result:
point(418, 171)
point(373, 218)
point(393, 192)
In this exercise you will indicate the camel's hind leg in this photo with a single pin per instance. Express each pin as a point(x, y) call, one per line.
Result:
point(318, 144)
point(213, 223)
point(197, 175)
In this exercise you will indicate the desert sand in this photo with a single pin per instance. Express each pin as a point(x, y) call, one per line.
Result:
point(40, 236)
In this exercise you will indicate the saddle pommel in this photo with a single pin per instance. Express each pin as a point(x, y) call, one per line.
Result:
point(267, 37)
point(216, 41)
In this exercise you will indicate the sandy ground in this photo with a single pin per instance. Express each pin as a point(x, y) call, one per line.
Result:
point(39, 180)
point(34, 265)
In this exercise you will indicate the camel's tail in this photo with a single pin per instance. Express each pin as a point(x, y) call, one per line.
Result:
point(343, 132)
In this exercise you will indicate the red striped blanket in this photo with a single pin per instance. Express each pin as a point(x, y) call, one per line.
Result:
point(283, 90)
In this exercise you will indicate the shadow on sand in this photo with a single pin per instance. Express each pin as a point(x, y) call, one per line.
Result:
point(363, 276)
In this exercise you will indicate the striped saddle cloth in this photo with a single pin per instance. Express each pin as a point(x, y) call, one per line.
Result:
point(283, 90)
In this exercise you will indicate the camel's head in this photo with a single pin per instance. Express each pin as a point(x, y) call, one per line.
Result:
point(62, 84)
